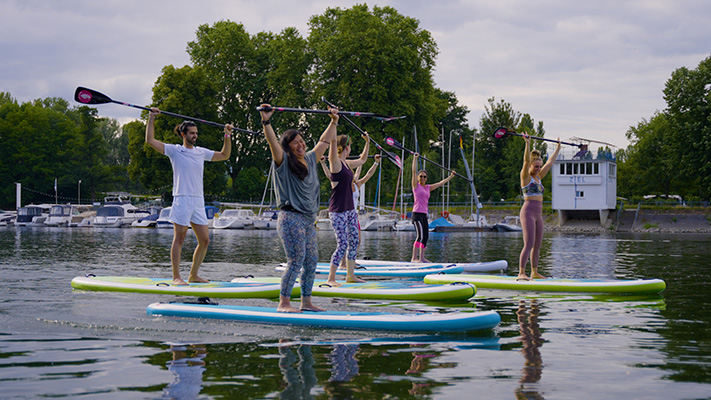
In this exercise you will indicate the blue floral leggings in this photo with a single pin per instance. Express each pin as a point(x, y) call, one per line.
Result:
point(298, 234)
point(345, 226)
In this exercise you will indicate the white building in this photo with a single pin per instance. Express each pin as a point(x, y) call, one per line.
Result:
point(585, 182)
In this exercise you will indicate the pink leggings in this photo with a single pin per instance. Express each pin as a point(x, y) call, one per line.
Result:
point(532, 225)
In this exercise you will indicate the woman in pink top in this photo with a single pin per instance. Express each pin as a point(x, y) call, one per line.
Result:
point(421, 193)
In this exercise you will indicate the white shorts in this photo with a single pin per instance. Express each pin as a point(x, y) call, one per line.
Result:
point(187, 209)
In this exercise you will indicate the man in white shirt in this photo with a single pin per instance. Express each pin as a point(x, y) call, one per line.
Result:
point(188, 202)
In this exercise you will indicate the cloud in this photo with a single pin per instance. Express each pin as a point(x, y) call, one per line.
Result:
point(585, 69)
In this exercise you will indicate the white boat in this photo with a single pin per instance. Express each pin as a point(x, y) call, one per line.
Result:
point(149, 221)
point(323, 221)
point(64, 214)
point(32, 215)
point(116, 215)
point(211, 212)
point(163, 222)
point(509, 224)
point(376, 222)
point(7, 217)
point(235, 219)
point(267, 220)
point(404, 225)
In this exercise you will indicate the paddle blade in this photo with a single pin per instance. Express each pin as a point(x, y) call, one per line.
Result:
point(88, 96)
point(394, 158)
point(392, 142)
point(501, 132)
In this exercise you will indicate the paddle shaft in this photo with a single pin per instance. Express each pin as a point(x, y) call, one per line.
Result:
point(202, 121)
point(512, 133)
point(310, 111)
point(89, 96)
point(389, 155)
point(401, 147)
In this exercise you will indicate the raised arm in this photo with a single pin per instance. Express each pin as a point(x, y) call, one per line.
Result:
point(328, 135)
point(363, 155)
point(150, 132)
point(551, 160)
point(333, 159)
point(224, 154)
point(370, 173)
point(525, 174)
point(443, 181)
point(414, 170)
point(274, 146)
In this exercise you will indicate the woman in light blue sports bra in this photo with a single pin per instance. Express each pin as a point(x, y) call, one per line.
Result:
point(531, 215)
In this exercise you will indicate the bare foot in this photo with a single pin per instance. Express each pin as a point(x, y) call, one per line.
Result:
point(538, 276)
point(179, 282)
point(424, 260)
point(287, 309)
point(414, 260)
point(197, 279)
point(355, 279)
point(523, 278)
point(312, 308)
point(333, 284)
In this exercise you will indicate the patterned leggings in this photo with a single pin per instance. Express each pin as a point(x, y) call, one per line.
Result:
point(345, 226)
point(298, 234)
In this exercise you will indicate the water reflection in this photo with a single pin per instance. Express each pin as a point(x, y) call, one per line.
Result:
point(299, 378)
point(578, 257)
point(187, 367)
point(344, 365)
point(532, 341)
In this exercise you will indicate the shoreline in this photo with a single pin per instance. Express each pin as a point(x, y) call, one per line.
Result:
point(646, 221)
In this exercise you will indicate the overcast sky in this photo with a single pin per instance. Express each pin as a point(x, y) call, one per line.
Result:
point(586, 69)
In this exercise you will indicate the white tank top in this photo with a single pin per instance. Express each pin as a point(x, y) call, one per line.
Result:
point(356, 196)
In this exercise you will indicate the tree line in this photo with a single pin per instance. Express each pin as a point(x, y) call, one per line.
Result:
point(359, 58)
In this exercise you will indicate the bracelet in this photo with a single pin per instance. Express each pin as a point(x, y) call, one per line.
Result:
point(267, 122)
point(323, 141)
point(228, 134)
point(334, 122)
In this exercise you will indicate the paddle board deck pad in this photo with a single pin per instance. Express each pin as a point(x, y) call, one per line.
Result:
point(390, 272)
point(165, 286)
point(411, 322)
point(489, 266)
point(388, 290)
point(635, 286)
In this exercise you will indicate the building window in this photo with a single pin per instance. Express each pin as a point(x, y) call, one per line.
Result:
point(579, 194)
point(597, 169)
point(613, 170)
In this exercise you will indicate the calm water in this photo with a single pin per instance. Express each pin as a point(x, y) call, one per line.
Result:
point(56, 342)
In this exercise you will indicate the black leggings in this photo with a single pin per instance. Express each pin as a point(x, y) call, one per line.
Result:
point(422, 228)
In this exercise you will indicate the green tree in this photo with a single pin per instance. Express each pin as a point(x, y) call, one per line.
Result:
point(499, 160)
point(648, 164)
point(250, 70)
point(688, 97)
point(187, 91)
point(89, 155)
point(378, 61)
point(46, 139)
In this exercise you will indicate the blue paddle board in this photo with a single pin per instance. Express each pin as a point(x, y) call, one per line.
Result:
point(394, 272)
point(410, 322)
